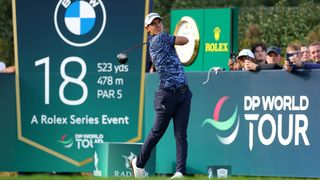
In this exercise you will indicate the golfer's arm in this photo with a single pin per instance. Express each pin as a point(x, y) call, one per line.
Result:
point(181, 40)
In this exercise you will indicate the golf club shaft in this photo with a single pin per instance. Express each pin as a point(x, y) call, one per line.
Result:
point(133, 47)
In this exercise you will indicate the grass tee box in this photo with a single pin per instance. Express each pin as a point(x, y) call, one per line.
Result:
point(113, 159)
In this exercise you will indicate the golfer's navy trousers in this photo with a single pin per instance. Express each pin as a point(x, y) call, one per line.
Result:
point(169, 104)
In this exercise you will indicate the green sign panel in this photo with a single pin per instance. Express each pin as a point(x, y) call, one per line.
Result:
point(218, 32)
point(258, 124)
point(8, 136)
point(220, 36)
point(72, 92)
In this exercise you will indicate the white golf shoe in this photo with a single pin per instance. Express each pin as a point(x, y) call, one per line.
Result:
point(137, 172)
point(177, 175)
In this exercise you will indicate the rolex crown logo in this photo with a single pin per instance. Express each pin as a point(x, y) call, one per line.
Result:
point(216, 33)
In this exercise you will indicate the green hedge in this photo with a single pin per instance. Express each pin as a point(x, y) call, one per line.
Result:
point(273, 22)
point(279, 25)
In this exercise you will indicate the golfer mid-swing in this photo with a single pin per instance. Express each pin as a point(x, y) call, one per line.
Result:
point(172, 99)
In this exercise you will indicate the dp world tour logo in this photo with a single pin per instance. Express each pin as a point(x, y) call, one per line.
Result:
point(80, 22)
point(224, 125)
point(65, 141)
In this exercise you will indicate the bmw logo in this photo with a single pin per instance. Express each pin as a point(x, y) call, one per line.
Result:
point(80, 22)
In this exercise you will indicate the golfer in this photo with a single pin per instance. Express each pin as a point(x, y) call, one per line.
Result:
point(172, 99)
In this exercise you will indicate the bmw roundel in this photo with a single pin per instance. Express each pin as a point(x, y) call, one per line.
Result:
point(80, 22)
point(80, 17)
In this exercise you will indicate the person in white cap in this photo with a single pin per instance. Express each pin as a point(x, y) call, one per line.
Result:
point(172, 99)
point(244, 54)
point(246, 61)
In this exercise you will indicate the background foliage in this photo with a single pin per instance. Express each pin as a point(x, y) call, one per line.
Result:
point(6, 38)
point(280, 25)
point(275, 22)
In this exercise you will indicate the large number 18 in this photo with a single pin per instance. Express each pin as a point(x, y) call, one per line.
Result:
point(67, 80)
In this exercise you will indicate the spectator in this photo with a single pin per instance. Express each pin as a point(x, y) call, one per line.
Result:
point(238, 64)
point(235, 65)
point(246, 54)
point(293, 53)
point(260, 53)
point(293, 59)
point(300, 64)
point(2, 66)
point(9, 69)
point(273, 55)
point(296, 62)
point(251, 66)
point(305, 54)
point(4, 69)
point(273, 59)
point(314, 49)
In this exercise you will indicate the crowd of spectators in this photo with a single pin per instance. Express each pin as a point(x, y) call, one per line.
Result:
point(259, 57)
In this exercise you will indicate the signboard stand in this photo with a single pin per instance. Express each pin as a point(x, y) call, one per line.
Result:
point(113, 159)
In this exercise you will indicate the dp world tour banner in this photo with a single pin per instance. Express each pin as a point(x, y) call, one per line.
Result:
point(71, 91)
point(262, 124)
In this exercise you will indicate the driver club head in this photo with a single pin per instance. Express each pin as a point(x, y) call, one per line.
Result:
point(122, 58)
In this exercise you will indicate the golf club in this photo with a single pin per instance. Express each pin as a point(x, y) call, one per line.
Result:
point(122, 56)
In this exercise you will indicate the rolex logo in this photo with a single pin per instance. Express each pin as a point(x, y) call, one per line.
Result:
point(216, 33)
